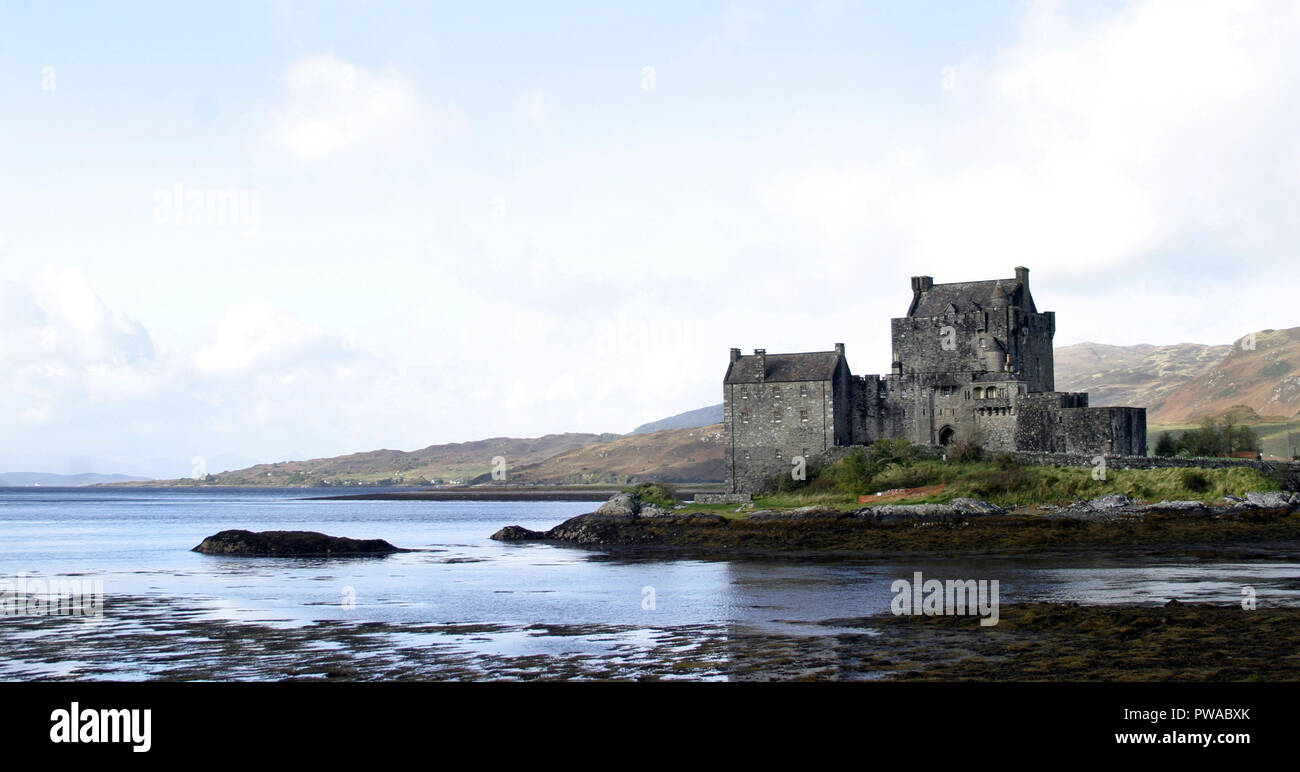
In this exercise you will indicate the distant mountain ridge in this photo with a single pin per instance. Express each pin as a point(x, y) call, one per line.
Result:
point(48, 480)
point(691, 419)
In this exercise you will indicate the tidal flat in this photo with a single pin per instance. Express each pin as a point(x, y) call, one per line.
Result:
point(152, 638)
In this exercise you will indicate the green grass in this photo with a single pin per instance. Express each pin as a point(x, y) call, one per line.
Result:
point(1010, 484)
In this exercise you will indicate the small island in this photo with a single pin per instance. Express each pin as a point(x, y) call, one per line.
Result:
point(280, 544)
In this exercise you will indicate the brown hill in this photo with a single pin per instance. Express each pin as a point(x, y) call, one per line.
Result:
point(675, 455)
point(1141, 376)
point(459, 461)
point(1264, 378)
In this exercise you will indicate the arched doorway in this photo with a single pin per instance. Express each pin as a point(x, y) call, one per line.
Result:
point(945, 435)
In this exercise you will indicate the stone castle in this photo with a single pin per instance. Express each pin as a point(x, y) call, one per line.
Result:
point(972, 360)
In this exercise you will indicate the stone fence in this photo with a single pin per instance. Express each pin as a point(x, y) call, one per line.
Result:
point(723, 498)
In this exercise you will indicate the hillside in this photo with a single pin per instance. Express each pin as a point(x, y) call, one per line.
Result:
point(675, 455)
point(1265, 379)
point(459, 461)
point(691, 419)
point(1141, 376)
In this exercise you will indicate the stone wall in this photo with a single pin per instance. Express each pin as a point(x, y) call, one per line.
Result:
point(769, 424)
point(723, 498)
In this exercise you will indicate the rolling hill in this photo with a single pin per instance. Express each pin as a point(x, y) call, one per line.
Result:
point(459, 461)
point(675, 455)
point(1141, 376)
point(1265, 378)
point(1188, 382)
point(691, 419)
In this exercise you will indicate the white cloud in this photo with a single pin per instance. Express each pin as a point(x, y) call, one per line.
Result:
point(254, 332)
point(332, 106)
point(1085, 146)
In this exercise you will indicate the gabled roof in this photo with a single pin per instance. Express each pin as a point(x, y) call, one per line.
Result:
point(966, 296)
point(811, 366)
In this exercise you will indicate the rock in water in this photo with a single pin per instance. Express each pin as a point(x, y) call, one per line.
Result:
point(291, 544)
point(517, 533)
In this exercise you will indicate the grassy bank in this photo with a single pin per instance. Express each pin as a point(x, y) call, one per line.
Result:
point(1003, 481)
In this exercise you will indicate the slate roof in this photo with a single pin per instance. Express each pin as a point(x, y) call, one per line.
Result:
point(970, 296)
point(811, 366)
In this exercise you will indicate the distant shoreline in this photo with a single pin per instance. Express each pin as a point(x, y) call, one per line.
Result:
point(577, 493)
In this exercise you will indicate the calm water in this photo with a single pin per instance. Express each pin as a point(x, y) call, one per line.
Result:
point(138, 543)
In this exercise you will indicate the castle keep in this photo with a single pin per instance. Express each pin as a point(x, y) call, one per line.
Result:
point(971, 360)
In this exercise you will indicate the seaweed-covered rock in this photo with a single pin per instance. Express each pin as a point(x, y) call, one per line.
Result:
point(517, 533)
point(291, 544)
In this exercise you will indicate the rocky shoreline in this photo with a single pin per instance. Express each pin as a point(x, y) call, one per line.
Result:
point(1259, 517)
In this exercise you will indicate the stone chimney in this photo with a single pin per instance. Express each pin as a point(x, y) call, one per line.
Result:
point(735, 355)
point(1022, 276)
point(839, 349)
point(760, 364)
point(922, 284)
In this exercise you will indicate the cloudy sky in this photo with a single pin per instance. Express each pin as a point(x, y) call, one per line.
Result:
point(270, 230)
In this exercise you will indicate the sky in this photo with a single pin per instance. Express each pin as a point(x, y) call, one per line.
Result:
point(252, 232)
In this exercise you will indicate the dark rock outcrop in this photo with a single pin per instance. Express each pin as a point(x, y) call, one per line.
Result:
point(612, 529)
point(517, 533)
point(291, 544)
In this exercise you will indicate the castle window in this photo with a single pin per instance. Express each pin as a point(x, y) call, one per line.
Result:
point(744, 416)
point(803, 416)
point(747, 455)
point(979, 393)
point(803, 389)
point(776, 392)
point(777, 454)
point(776, 416)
